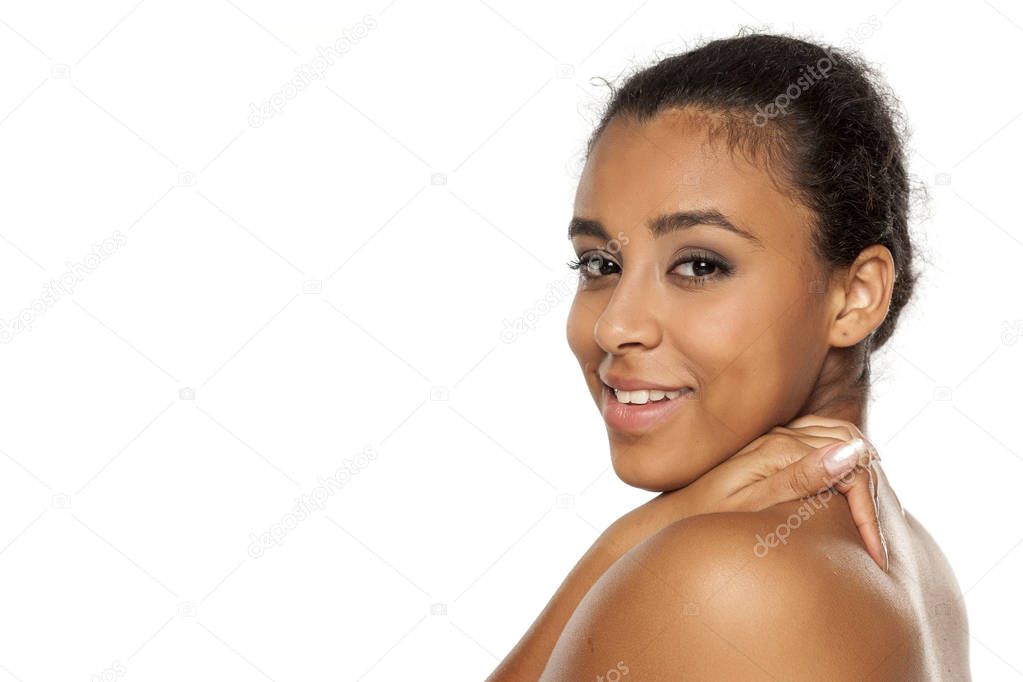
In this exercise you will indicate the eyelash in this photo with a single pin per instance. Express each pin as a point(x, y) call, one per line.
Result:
point(723, 269)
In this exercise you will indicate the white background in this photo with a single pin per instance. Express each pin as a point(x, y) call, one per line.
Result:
point(425, 182)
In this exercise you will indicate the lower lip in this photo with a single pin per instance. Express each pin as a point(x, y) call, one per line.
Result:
point(629, 417)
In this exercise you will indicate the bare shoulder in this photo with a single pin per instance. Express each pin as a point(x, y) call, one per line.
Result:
point(776, 594)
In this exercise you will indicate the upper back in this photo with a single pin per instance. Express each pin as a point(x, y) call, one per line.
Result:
point(919, 591)
point(925, 579)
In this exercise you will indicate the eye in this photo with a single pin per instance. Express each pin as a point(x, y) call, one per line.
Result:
point(703, 266)
point(591, 265)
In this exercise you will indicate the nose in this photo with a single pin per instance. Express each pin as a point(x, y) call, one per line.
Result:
point(629, 321)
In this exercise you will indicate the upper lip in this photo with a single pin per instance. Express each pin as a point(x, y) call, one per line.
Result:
point(629, 384)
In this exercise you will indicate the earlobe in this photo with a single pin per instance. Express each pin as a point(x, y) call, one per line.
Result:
point(865, 296)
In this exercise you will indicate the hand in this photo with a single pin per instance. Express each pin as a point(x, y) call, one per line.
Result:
point(791, 462)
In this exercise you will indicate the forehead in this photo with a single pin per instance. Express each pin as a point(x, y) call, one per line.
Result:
point(637, 171)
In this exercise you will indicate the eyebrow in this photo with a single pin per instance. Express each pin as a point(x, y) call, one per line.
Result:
point(665, 224)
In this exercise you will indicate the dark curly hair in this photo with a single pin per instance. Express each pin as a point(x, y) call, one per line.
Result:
point(819, 115)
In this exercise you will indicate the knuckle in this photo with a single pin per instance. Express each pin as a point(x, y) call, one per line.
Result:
point(850, 480)
point(851, 477)
point(800, 482)
point(736, 501)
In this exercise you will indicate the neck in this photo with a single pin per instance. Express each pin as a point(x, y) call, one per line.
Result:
point(837, 395)
point(845, 407)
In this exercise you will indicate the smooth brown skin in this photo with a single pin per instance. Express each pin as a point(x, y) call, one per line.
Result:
point(782, 465)
point(763, 345)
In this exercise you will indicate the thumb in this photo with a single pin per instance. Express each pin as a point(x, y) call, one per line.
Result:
point(840, 461)
point(813, 473)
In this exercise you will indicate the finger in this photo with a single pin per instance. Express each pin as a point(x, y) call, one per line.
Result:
point(779, 456)
point(843, 432)
point(800, 425)
point(822, 432)
point(810, 419)
point(829, 424)
point(878, 472)
point(801, 429)
point(859, 490)
point(810, 474)
point(875, 476)
point(847, 431)
point(856, 433)
point(809, 432)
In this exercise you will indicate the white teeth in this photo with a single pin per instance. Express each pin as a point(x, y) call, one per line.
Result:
point(643, 396)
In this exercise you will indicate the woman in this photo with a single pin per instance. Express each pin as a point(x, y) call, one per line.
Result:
point(741, 234)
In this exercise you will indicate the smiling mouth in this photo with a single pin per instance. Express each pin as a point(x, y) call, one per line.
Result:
point(634, 412)
point(646, 396)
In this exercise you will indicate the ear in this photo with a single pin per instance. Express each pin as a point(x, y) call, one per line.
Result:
point(861, 296)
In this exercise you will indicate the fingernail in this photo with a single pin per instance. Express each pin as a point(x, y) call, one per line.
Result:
point(845, 457)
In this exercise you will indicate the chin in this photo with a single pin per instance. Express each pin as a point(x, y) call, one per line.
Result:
point(649, 473)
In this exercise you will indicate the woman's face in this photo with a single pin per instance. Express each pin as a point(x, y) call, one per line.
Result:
point(740, 321)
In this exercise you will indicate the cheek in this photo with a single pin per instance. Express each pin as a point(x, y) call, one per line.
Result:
point(748, 348)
